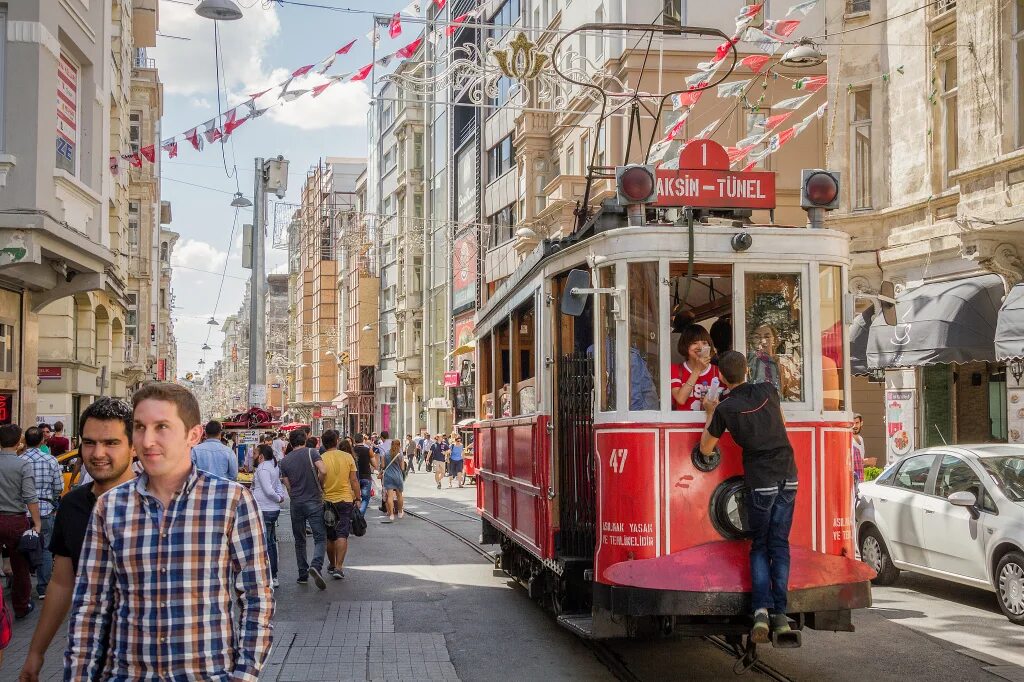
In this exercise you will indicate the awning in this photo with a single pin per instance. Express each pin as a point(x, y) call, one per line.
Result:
point(859, 341)
point(941, 322)
point(466, 423)
point(1010, 326)
point(467, 347)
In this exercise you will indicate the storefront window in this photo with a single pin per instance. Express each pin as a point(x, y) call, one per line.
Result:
point(774, 336)
point(830, 285)
point(606, 358)
point(937, 399)
point(644, 334)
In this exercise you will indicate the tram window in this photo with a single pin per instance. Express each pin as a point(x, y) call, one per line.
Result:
point(606, 359)
point(774, 334)
point(523, 329)
point(705, 298)
point(486, 378)
point(502, 372)
point(644, 332)
point(832, 330)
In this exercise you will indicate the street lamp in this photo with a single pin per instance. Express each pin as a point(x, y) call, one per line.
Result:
point(803, 55)
point(213, 321)
point(219, 10)
point(206, 346)
point(240, 201)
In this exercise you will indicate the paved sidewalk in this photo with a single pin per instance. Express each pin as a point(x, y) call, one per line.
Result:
point(415, 605)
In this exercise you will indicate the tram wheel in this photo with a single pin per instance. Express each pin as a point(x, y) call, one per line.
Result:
point(875, 554)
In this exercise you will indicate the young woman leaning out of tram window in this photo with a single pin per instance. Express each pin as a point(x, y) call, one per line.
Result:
point(692, 379)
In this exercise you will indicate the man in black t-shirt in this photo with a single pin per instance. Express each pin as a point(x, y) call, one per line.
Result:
point(106, 427)
point(752, 413)
point(366, 464)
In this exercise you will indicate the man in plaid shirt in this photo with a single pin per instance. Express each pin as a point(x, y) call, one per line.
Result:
point(165, 558)
point(49, 486)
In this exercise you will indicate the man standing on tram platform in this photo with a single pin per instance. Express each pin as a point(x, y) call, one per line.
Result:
point(752, 413)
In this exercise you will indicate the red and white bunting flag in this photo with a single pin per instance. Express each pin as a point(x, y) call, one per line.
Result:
point(345, 48)
point(374, 36)
point(773, 122)
point(302, 70)
point(454, 26)
point(293, 95)
point(385, 60)
point(737, 153)
point(362, 73)
point(134, 159)
point(409, 50)
point(781, 27)
point(803, 7)
point(260, 94)
point(319, 89)
point(755, 62)
point(748, 11)
point(212, 132)
point(193, 137)
point(688, 98)
point(171, 147)
point(764, 42)
point(232, 122)
point(792, 102)
point(722, 51)
point(750, 166)
point(395, 26)
point(414, 9)
point(440, 4)
point(811, 84)
point(149, 153)
point(707, 130)
point(326, 64)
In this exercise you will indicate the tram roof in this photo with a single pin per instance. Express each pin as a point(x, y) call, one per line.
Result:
point(612, 217)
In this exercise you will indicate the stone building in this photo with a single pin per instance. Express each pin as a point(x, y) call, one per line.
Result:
point(928, 133)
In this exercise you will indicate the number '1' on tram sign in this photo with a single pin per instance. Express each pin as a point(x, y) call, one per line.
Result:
point(704, 180)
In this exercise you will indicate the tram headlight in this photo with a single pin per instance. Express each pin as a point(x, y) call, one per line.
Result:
point(819, 189)
point(635, 184)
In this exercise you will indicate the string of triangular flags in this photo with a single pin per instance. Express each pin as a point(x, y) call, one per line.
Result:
point(769, 39)
point(220, 127)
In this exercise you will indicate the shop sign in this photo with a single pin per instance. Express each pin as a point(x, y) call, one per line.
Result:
point(704, 180)
point(250, 438)
point(899, 424)
point(464, 256)
point(6, 408)
point(161, 369)
point(51, 373)
point(329, 411)
point(451, 379)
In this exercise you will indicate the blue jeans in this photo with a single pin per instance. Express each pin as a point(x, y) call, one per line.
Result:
point(769, 518)
point(270, 526)
point(45, 569)
point(365, 485)
point(313, 512)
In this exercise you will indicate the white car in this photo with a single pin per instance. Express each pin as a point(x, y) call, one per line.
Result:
point(951, 512)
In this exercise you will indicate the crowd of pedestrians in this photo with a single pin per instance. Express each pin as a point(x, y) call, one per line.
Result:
point(158, 529)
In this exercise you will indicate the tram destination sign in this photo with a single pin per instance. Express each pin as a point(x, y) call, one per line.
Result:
point(703, 180)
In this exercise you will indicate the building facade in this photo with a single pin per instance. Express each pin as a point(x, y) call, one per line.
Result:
point(933, 184)
point(65, 225)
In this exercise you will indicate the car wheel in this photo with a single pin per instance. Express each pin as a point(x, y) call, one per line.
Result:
point(1010, 586)
point(875, 554)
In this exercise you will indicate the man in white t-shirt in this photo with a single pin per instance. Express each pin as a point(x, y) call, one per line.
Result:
point(279, 444)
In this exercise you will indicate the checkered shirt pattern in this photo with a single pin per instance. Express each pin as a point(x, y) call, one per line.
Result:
point(156, 587)
point(49, 480)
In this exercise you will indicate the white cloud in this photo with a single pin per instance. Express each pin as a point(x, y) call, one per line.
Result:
point(187, 67)
point(281, 269)
point(200, 103)
point(193, 253)
point(342, 104)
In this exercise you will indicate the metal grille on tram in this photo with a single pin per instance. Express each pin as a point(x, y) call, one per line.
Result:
point(575, 431)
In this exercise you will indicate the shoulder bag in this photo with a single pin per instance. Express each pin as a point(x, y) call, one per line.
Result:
point(358, 522)
point(330, 513)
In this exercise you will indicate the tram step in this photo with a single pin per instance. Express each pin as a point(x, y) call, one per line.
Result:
point(580, 624)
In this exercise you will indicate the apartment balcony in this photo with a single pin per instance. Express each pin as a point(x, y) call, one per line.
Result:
point(410, 369)
point(412, 302)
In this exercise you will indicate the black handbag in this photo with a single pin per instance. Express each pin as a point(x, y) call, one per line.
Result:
point(330, 513)
point(358, 522)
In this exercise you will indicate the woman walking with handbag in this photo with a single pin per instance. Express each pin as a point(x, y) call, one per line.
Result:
point(269, 494)
point(393, 480)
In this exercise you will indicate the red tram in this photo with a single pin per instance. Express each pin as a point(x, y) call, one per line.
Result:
point(586, 476)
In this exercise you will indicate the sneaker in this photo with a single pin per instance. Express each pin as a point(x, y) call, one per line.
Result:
point(780, 623)
point(759, 633)
point(336, 574)
point(331, 568)
point(30, 609)
point(42, 596)
point(302, 581)
point(318, 579)
point(438, 486)
point(275, 582)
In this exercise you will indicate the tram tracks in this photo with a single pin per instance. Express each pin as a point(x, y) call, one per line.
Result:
point(608, 657)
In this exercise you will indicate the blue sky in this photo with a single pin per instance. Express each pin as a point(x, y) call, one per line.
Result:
point(259, 50)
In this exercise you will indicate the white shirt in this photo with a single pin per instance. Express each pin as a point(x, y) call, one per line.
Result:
point(279, 445)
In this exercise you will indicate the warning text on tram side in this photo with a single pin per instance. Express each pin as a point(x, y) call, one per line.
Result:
point(703, 180)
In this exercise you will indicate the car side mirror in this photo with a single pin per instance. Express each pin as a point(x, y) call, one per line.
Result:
point(966, 499)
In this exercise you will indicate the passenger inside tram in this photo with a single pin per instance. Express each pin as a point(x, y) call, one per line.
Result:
point(693, 378)
point(774, 332)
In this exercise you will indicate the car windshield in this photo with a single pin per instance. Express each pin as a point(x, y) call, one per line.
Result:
point(1008, 473)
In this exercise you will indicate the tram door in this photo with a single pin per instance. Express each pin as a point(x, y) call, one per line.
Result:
point(574, 428)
